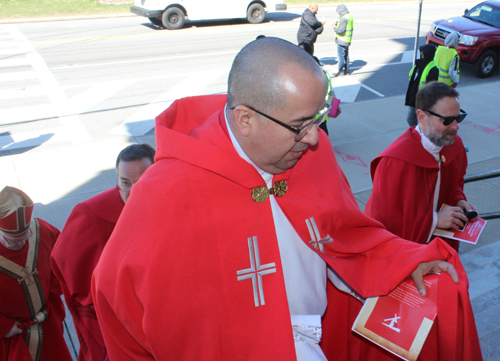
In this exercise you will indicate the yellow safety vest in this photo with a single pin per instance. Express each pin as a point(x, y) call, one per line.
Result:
point(443, 58)
point(423, 78)
point(347, 37)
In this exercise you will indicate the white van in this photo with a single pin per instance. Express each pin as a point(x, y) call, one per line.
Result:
point(172, 14)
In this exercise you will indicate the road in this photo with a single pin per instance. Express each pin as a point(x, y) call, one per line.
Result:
point(78, 81)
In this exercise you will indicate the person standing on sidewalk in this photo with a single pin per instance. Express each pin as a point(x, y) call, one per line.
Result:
point(447, 60)
point(425, 70)
point(310, 27)
point(343, 36)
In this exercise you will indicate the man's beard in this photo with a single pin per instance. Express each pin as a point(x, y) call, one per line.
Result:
point(440, 139)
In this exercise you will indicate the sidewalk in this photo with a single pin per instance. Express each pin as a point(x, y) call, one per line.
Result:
point(361, 132)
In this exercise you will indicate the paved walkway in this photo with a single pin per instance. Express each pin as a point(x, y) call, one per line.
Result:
point(64, 178)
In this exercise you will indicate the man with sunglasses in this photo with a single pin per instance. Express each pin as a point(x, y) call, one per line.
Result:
point(31, 309)
point(422, 170)
point(231, 244)
point(82, 240)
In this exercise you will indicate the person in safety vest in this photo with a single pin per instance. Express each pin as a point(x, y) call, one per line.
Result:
point(343, 36)
point(447, 60)
point(424, 71)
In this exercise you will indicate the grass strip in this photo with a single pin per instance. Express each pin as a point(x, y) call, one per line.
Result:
point(27, 9)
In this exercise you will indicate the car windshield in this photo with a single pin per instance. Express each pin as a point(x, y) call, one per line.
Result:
point(486, 14)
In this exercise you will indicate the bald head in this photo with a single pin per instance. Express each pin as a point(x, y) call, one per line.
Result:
point(314, 8)
point(257, 74)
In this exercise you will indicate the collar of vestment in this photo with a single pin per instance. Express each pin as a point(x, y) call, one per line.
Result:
point(432, 148)
point(408, 148)
point(107, 205)
point(182, 135)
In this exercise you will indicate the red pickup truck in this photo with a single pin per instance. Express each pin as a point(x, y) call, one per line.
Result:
point(479, 36)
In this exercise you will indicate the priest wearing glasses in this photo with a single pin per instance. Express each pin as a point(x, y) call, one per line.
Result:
point(244, 241)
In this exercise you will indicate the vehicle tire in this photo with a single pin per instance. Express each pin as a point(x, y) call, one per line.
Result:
point(256, 14)
point(486, 64)
point(173, 18)
point(156, 21)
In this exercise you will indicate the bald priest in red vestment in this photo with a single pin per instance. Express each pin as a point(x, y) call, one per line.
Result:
point(244, 241)
point(422, 170)
point(82, 240)
point(31, 309)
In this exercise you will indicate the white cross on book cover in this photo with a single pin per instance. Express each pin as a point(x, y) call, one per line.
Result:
point(401, 321)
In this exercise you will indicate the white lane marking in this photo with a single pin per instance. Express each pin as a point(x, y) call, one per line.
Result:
point(174, 57)
point(14, 62)
point(347, 89)
point(21, 93)
point(24, 114)
point(373, 91)
point(22, 75)
point(142, 121)
point(71, 108)
point(72, 123)
point(11, 52)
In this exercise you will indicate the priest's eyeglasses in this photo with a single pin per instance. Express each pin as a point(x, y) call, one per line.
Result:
point(124, 187)
point(303, 130)
point(449, 120)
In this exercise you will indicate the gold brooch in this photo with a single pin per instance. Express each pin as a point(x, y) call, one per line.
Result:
point(260, 194)
point(443, 159)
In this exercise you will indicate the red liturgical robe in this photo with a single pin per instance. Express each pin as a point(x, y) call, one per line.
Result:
point(74, 258)
point(13, 305)
point(404, 180)
point(193, 269)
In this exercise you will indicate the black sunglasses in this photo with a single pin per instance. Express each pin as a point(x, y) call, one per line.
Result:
point(449, 120)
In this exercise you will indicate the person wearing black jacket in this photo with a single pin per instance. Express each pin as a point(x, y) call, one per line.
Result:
point(310, 27)
point(424, 71)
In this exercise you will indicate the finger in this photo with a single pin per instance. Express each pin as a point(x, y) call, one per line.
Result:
point(448, 268)
point(419, 283)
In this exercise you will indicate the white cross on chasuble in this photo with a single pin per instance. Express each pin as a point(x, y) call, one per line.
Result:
point(316, 240)
point(256, 271)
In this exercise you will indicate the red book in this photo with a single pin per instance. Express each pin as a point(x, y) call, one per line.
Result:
point(401, 321)
point(470, 233)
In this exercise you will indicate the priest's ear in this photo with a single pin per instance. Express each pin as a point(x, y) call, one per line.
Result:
point(242, 119)
point(422, 117)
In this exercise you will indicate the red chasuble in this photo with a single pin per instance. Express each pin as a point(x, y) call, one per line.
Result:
point(74, 258)
point(13, 305)
point(193, 270)
point(404, 180)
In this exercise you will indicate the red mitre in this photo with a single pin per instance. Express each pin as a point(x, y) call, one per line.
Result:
point(16, 209)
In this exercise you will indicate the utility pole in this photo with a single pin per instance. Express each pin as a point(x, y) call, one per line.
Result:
point(418, 31)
